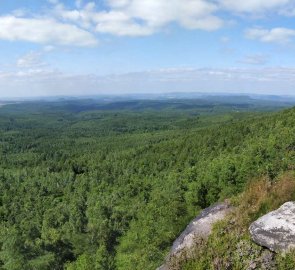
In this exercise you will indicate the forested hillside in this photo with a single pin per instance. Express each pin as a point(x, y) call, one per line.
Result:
point(87, 187)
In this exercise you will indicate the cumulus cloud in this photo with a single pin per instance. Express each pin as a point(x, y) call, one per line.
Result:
point(143, 17)
point(45, 31)
point(146, 17)
point(253, 6)
point(80, 25)
point(275, 35)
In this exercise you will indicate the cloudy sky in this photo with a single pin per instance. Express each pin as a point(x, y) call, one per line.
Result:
point(63, 47)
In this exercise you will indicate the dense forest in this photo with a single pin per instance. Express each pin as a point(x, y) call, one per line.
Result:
point(109, 186)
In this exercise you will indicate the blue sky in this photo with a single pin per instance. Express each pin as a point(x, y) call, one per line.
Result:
point(55, 47)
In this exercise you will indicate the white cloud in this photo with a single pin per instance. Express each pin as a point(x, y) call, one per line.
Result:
point(79, 25)
point(255, 59)
point(48, 48)
point(45, 31)
point(275, 35)
point(235, 80)
point(32, 60)
point(143, 17)
point(253, 6)
point(19, 12)
point(288, 10)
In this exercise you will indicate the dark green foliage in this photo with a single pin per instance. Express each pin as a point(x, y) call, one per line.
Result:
point(84, 189)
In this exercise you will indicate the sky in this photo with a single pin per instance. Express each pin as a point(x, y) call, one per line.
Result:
point(63, 47)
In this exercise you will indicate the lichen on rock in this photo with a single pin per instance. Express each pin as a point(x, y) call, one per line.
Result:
point(276, 230)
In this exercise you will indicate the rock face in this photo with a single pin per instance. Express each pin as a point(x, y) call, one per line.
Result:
point(200, 227)
point(276, 230)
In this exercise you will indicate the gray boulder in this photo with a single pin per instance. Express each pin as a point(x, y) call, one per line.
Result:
point(276, 230)
point(200, 227)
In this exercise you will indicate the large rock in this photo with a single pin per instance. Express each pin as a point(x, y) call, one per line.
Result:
point(276, 230)
point(200, 227)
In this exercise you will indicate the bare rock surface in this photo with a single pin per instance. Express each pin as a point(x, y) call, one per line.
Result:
point(276, 230)
point(200, 227)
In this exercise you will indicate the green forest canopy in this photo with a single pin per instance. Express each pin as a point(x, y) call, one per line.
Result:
point(110, 187)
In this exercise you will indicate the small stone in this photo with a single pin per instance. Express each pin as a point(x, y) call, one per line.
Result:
point(252, 265)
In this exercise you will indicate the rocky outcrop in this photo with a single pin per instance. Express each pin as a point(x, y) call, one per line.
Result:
point(276, 230)
point(200, 227)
